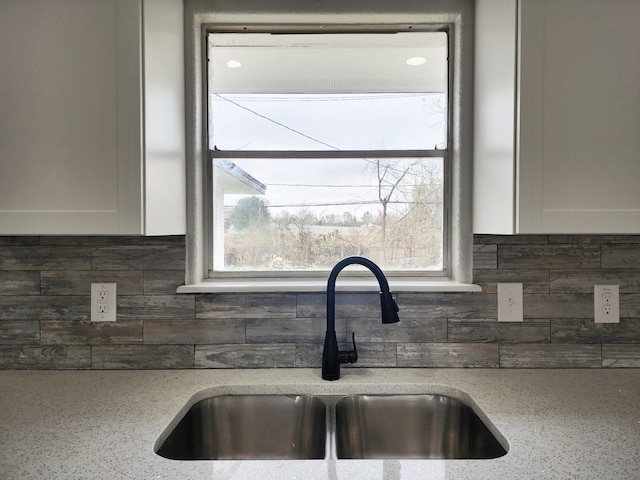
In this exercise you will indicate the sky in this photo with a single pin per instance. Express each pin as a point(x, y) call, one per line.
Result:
point(323, 122)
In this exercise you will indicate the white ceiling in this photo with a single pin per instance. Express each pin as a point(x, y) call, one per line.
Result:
point(321, 63)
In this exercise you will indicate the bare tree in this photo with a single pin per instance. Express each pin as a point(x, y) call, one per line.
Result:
point(392, 178)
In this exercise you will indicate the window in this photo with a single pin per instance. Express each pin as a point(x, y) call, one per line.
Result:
point(306, 145)
point(324, 145)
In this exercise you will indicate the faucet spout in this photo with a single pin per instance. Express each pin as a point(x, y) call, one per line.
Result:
point(332, 357)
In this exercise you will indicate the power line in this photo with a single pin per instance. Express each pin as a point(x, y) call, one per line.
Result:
point(318, 185)
point(276, 122)
point(342, 204)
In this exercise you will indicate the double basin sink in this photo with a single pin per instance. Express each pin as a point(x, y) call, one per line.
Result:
point(307, 426)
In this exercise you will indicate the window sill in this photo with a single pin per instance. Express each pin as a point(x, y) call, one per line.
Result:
point(237, 285)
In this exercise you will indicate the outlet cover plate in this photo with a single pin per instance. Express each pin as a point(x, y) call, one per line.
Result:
point(606, 303)
point(103, 302)
point(510, 307)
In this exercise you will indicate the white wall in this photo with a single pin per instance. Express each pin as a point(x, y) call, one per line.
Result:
point(165, 186)
point(494, 148)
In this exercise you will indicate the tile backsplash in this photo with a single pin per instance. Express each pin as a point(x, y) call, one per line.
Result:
point(45, 313)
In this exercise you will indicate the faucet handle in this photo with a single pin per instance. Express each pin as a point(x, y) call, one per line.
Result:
point(350, 356)
point(354, 352)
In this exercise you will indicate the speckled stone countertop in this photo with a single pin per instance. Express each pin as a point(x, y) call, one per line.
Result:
point(559, 424)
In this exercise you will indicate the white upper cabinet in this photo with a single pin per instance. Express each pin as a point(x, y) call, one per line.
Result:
point(92, 117)
point(564, 155)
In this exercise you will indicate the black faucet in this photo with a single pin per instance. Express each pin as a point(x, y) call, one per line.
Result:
point(331, 356)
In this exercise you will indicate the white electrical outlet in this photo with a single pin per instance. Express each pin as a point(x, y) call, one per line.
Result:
point(606, 303)
point(103, 302)
point(510, 308)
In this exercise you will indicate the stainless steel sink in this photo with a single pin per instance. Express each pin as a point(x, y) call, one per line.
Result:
point(249, 427)
point(357, 426)
point(411, 426)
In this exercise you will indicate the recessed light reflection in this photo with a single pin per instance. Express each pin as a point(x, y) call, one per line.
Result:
point(415, 61)
point(233, 64)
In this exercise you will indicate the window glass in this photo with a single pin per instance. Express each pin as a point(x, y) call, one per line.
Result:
point(374, 121)
point(301, 213)
point(328, 145)
point(328, 91)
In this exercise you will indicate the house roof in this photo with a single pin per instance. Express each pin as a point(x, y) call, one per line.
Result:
point(236, 180)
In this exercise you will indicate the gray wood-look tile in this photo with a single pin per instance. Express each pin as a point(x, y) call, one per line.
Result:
point(492, 331)
point(587, 331)
point(45, 258)
point(558, 306)
point(258, 305)
point(18, 332)
point(246, 356)
point(309, 355)
point(549, 256)
point(448, 355)
point(630, 305)
point(599, 238)
point(510, 239)
point(143, 257)
point(83, 240)
point(79, 282)
point(582, 281)
point(45, 357)
point(579, 238)
point(142, 356)
point(167, 240)
point(621, 356)
point(19, 283)
point(156, 307)
point(485, 257)
point(290, 330)
point(383, 355)
point(447, 305)
point(348, 304)
point(194, 331)
point(33, 307)
point(624, 255)
point(374, 355)
point(162, 282)
point(423, 330)
point(550, 356)
point(17, 240)
point(90, 333)
point(45, 310)
point(533, 281)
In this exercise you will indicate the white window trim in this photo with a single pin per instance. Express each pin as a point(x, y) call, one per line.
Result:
point(202, 14)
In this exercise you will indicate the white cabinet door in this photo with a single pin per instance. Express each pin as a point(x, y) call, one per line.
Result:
point(58, 116)
point(577, 133)
point(77, 155)
point(579, 155)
